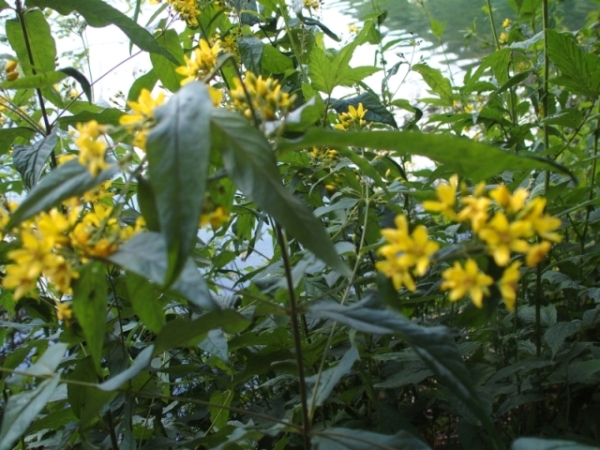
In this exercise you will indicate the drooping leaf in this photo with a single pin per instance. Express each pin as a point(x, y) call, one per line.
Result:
point(29, 160)
point(89, 305)
point(330, 377)
point(145, 254)
point(86, 87)
point(183, 332)
point(434, 345)
point(49, 361)
point(350, 439)
point(145, 302)
point(249, 160)
point(580, 71)
point(39, 80)
point(67, 180)
point(472, 159)
point(139, 363)
point(164, 68)
point(178, 150)
point(98, 14)
point(22, 409)
point(548, 444)
point(376, 112)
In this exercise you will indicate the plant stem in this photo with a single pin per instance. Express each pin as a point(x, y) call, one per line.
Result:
point(297, 337)
point(493, 24)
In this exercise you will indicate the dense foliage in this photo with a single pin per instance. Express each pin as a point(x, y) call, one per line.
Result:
point(241, 255)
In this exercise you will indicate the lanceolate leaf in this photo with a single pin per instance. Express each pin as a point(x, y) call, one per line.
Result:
point(145, 302)
point(145, 254)
point(39, 80)
point(140, 363)
point(350, 439)
point(98, 13)
point(163, 67)
point(68, 180)
point(89, 304)
point(81, 79)
point(29, 160)
point(436, 81)
point(466, 157)
point(22, 409)
point(434, 345)
point(178, 151)
point(249, 160)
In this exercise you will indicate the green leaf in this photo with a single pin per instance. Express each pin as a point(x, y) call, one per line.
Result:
point(437, 82)
point(568, 117)
point(216, 344)
point(49, 361)
point(29, 160)
point(321, 70)
point(178, 150)
point(219, 415)
point(251, 52)
point(580, 70)
point(139, 363)
point(66, 181)
point(106, 116)
point(53, 421)
point(146, 81)
point(375, 111)
point(349, 76)
point(548, 444)
point(437, 27)
point(41, 43)
point(39, 80)
point(434, 345)
point(145, 254)
point(329, 378)
point(89, 305)
point(472, 159)
point(164, 68)
point(145, 302)
point(147, 202)
point(98, 14)
point(22, 409)
point(273, 61)
point(81, 79)
point(350, 439)
point(8, 136)
point(183, 332)
point(249, 160)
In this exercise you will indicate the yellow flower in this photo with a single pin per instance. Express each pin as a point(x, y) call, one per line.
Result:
point(354, 116)
point(64, 312)
point(353, 29)
point(509, 284)
point(476, 210)
point(400, 275)
point(266, 96)
point(511, 203)
point(142, 117)
point(10, 66)
point(314, 4)
point(446, 194)
point(506, 23)
point(187, 10)
point(502, 237)
point(91, 150)
point(216, 218)
point(205, 61)
point(544, 225)
point(53, 226)
point(461, 281)
point(536, 253)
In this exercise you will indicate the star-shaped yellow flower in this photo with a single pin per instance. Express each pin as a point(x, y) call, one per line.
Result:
point(461, 281)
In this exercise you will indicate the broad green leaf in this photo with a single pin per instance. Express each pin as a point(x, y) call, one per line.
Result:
point(178, 150)
point(436, 81)
point(90, 298)
point(548, 444)
point(29, 160)
point(147, 203)
point(139, 363)
point(434, 345)
point(273, 61)
point(353, 439)
point(53, 421)
point(49, 361)
point(66, 181)
point(329, 378)
point(22, 409)
point(164, 68)
point(98, 14)
point(437, 27)
point(249, 160)
point(8, 136)
point(41, 43)
point(251, 52)
point(375, 111)
point(321, 70)
point(146, 81)
point(555, 335)
point(39, 80)
point(580, 70)
point(106, 116)
point(568, 117)
point(349, 76)
point(145, 302)
point(472, 159)
point(220, 415)
point(145, 254)
point(216, 344)
point(183, 332)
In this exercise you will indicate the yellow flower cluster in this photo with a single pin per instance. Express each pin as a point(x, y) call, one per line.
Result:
point(320, 156)
point(505, 223)
point(10, 69)
point(215, 218)
point(142, 117)
point(187, 10)
point(204, 62)
point(266, 95)
point(311, 4)
point(92, 151)
point(55, 243)
point(353, 118)
point(405, 254)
